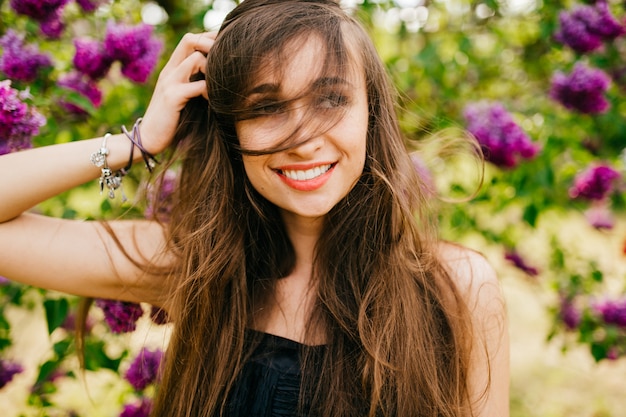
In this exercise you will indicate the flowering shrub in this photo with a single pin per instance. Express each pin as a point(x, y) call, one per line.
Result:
point(145, 369)
point(18, 122)
point(502, 140)
point(58, 86)
point(121, 316)
point(542, 91)
point(582, 90)
point(20, 61)
point(586, 27)
point(595, 183)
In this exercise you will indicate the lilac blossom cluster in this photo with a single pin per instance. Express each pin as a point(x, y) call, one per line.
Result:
point(121, 316)
point(8, 370)
point(586, 27)
point(160, 198)
point(159, 315)
point(133, 46)
point(582, 90)
point(136, 49)
point(600, 216)
point(21, 61)
point(18, 122)
point(145, 369)
point(84, 86)
point(595, 183)
point(139, 409)
point(89, 5)
point(520, 263)
point(612, 311)
point(48, 13)
point(503, 141)
point(569, 314)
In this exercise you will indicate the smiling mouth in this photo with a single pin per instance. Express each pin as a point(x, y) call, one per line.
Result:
point(307, 174)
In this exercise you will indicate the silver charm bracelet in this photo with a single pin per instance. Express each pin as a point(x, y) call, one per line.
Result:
point(109, 179)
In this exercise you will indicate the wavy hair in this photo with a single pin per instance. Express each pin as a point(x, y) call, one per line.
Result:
point(397, 331)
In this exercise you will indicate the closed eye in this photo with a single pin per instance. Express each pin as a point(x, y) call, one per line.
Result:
point(331, 101)
point(263, 108)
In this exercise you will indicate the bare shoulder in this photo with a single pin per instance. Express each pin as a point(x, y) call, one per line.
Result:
point(478, 284)
point(472, 273)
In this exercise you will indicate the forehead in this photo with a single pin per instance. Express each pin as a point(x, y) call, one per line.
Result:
point(302, 63)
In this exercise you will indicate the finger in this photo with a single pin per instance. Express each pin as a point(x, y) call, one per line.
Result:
point(194, 89)
point(191, 66)
point(189, 43)
point(194, 64)
point(205, 42)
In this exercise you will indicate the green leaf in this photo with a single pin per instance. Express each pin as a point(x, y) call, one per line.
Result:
point(46, 370)
point(531, 214)
point(96, 357)
point(598, 352)
point(597, 276)
point(56, 312)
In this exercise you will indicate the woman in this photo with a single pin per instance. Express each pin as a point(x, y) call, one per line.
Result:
point(299, 265)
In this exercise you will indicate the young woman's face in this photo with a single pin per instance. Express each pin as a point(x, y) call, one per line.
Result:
point(307, 180)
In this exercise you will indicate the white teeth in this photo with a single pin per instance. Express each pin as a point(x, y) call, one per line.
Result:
point(308, 174)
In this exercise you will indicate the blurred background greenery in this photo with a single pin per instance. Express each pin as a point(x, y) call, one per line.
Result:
point(557, 261)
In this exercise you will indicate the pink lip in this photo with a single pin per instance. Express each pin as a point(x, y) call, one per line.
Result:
point(305, 185)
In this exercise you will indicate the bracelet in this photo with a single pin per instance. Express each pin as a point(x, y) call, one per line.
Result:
point(149, 159)
point(112, 180)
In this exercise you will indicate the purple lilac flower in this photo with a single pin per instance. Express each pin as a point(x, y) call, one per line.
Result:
point(46, 12)
point(582, 90)
point(160, 197)
point(569, 314)
point(91, 58)
point(69, 324)
point(82, 85)
point(600, 216)
point(53, 26)
point(145, 369)
point(612, 353)
point(612, 311)
point(594, 183)
point(586, 27)
point(121, 316)
point(158, 315)
point(8, 370)
point(141, 409)
point(135, 48)
point(4, 280)
point(503, 141)
point(20, 61)
point(18, 122)
point(37, 9)
point(519, 262)
point(89, 5)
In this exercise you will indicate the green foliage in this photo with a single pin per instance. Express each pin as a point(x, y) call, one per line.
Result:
point(441, 56)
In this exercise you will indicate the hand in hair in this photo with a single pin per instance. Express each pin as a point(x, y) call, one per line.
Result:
point(177, 83)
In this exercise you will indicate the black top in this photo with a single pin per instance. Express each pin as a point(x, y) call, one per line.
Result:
point(269, 384)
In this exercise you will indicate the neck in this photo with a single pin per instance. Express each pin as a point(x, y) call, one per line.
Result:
point(288, 309)
point(304, 233)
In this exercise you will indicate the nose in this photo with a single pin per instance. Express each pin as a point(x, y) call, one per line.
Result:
point(309, 147)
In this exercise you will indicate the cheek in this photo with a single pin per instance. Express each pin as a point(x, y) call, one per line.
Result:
point(254, 169)
point(262, 133)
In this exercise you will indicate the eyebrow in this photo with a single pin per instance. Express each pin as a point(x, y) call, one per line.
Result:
point(320, 82)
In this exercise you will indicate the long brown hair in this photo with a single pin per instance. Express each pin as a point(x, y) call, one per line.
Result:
point(398, 333)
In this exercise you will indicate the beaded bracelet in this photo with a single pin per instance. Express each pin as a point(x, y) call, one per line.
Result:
point(135, 138)
point(112, 180)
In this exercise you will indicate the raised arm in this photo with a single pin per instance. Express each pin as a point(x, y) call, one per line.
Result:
point(78, 256)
